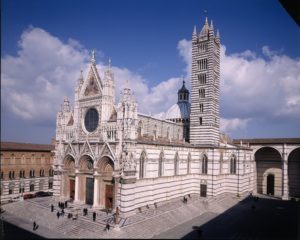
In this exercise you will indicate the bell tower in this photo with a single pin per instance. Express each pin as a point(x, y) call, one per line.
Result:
point(205, 82)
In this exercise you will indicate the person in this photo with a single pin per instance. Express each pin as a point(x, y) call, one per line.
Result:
point(94, 216)
point(57, 214)
point(52, 208)
point(66, 204)
point(34, 225)
point(107, 227)
point(62, 212)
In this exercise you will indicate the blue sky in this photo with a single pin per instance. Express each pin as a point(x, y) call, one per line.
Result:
point(148, 42)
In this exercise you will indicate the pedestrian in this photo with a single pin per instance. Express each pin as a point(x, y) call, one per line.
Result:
point(52, 208)
point(94, 216)
point(57, 214)
point(62, 212)
point(107, 227)
point(66, 204)
point(34, 225)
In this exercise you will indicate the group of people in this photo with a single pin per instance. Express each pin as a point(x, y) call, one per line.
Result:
point(185, 198)
point(85, 211)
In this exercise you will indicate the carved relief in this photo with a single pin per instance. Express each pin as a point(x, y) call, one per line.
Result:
point(92, 87)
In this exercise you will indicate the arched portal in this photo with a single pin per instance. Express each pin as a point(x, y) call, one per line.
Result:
point(294, 173)
point(268, 163)
point(105, 185)
point(68, 189)
point(86, 180)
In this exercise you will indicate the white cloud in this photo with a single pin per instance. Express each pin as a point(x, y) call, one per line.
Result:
point(234, 124)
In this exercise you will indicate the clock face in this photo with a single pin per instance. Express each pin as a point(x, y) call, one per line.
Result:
point(91, 120)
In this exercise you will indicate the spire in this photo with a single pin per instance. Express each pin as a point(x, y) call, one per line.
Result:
point(206, 21)
point(109, 63)
point(93, 60)
point(195, 30)
point(80, 79)
point(218, 34)
point(211, 25)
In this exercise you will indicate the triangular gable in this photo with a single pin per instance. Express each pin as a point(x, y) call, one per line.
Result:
point(106, 150)
point(87, 149)
point(70, 150)
point(92, 84)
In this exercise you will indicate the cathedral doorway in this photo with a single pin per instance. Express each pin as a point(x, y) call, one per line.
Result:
point(270, 184)
point(72, 188)
point(89, 191)
point(109, 196)
point(69, 177)
point(105, 168)
point(203, 190)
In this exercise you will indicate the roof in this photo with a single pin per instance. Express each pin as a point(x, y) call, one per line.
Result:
point(17, 146)
point(267, 140)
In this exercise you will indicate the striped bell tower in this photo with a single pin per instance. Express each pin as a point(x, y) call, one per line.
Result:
point(205, 82)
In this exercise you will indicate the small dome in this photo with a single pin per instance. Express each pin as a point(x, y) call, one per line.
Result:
point(183, 89)
point(179, 110)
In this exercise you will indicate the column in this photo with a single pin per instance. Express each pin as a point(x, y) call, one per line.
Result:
point(254, 171)
point(285, 180)
point(76, 187)
point(116, 190)
point(96, 192)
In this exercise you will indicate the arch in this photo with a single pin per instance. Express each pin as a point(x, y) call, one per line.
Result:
point(204, 164)
point(69, 162)
point(11, 187)
point(86, 163)
point(161, 164)
point(189, 160)
point(268, 160)
point(105, 164)
point(176, 164)
point(233, 164)
point(264, 148)
point(142, 172)
point(294, 173)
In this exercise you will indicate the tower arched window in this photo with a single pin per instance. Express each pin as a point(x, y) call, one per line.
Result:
point(233, 165)
point(204, 164)
point(142, 165)
point(139, 130)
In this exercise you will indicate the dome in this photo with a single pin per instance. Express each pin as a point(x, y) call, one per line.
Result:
point(179, 110)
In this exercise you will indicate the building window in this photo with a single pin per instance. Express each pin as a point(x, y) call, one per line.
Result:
point(202, 93)
point(50, 172)
point(200, 120)
point(201, 107)
point(11, 174)
point(31, 173)
point(233, 165)
point(204, 164)
point(42, 173)
point(202, 78)
point(202, 47)
point(11, 187)
point(160, 164)
point(142, 165)
point(21, 187)
point(176, 165)
point(139, 130)
point(189, 164)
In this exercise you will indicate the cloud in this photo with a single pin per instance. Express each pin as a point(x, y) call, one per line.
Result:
point(234, 124)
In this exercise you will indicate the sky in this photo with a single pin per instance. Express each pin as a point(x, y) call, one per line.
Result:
point(45, 44)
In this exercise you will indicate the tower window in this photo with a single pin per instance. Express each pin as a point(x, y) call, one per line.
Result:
point(202, 64)
point(202, 78)
point(202, 47)
point(200, 120)
point(202, 93)
point(201, 107)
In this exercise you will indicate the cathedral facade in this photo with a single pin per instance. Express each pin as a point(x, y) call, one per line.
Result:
point(110, 155)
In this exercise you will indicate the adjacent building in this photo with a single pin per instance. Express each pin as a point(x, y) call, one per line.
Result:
point(25, 168)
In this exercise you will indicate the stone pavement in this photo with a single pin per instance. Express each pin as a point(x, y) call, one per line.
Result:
point(145, 224)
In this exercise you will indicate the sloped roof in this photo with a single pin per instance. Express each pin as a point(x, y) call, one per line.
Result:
point(17, 146)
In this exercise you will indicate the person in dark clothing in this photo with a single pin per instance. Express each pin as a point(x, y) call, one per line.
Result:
point(34, 225)
point(94, 216)
point(107, 227)
point(52, 208)
point(66, 204)
point(57, 214)
point(62, 212)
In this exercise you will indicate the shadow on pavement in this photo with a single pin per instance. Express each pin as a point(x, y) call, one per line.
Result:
point(253, 218)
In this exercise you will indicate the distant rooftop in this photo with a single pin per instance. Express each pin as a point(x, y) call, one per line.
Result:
point(267, 140)
point(17, 146)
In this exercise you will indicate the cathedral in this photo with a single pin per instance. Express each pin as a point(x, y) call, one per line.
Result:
point(110, 155)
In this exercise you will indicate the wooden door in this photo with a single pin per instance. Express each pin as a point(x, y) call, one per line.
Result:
point(72, 189)
point(203, 189)
point(109, 196)
point(270, 184)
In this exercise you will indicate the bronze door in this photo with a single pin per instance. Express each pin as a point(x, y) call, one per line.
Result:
point(270, 184)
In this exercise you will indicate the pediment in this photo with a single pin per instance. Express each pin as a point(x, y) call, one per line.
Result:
point(107, 151)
